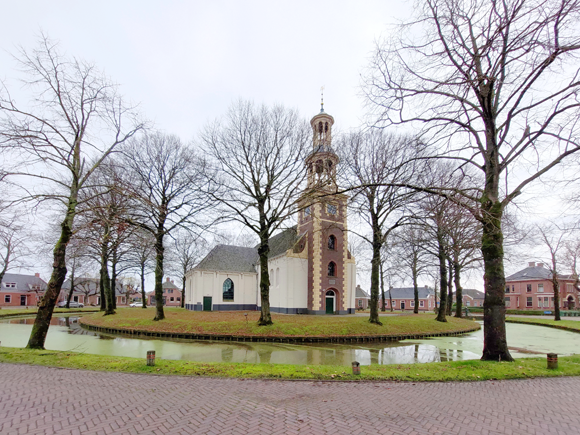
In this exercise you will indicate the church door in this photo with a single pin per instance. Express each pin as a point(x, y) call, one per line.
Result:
point(207, 303)
point(330, 302)
point(402, 305)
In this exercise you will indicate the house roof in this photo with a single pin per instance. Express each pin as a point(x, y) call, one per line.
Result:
point(24, 283)
point(169, 284)
point(533, 272)
point(241, 259)
point(475, 294)
point(408, 293)
point(230, 258)
point(360, 293)
point(91, 285)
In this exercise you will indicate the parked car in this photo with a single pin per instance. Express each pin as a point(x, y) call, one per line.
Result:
point(136, 304)
point(72, 304)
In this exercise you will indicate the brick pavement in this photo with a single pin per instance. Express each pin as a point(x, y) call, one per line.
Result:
point(40, 400)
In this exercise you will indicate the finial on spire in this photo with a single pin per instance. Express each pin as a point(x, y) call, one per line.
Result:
point(322, 99)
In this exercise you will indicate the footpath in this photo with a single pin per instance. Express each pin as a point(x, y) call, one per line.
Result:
point(43, 400)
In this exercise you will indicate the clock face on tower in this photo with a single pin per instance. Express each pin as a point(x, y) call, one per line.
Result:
point(331, 209)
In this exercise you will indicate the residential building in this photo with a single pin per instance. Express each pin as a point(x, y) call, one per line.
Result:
point(404, 298)
point(362, 299)
point(19, 290)
point(532, 289)
point(87, 292)
point(472, 298)
point(171, 295)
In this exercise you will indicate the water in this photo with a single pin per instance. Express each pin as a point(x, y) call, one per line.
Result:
point(66, 334)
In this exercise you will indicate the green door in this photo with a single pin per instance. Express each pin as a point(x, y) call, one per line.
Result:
point(207, 303)
point(330, 305)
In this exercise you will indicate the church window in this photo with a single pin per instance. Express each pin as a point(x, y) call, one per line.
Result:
point(329, 165)
point(332, 268)
point(332, 243)
point(228, 290)
point(277, 276)
point(326, 127)
point(320, 127)
point(331, 209)
point(307, 211)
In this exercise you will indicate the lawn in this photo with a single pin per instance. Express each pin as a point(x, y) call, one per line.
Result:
point(473, 370)
point(568, 325)
point(245, 324)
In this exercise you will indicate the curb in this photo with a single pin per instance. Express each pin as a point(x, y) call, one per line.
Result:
point(564, 328)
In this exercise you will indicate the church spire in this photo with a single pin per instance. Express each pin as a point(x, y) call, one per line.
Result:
point(322, 99)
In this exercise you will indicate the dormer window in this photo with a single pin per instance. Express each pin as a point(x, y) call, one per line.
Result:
point(10, 285)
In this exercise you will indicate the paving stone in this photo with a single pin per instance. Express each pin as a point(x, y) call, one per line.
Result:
point(42, 400)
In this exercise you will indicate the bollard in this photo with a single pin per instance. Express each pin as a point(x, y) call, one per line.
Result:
point(552, 361)
point(150, 357)
point(355, 368)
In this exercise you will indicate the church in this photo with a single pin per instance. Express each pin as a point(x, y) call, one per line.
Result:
point(311, 268)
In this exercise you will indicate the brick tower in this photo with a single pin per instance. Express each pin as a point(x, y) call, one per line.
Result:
point(322, 224)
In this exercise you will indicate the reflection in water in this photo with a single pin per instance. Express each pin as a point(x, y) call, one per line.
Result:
point(66, 334)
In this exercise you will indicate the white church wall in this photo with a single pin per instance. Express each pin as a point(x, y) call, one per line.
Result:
point(289, 284)
point(210, 284)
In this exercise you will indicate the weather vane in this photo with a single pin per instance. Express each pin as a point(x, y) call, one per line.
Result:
point(321, 99)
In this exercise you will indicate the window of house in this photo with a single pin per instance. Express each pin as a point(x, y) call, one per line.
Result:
point(412, 303)
point(569, 288)
point(171, 299)
point(507, 288)
point(387, 303)
point(394, 303)
point(529, 302)
point(546, 302)
point(421, 304)
point(332, 243)
point(540, 288)
point(529, 288)
point(331, 269)
point(123, 300)
point(467, 304)
point(507, 302)
point(7, 299)
point(513, 288)
point(228, 290)
point(10, 285)
point(360, 302)
point(540, 302)
point(178, 299)
point(552, 302)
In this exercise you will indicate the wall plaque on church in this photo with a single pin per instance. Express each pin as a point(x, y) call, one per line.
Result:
point(332, 281)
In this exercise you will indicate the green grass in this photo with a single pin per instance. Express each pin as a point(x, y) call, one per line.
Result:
point(235, 324)
point(474, 370)
point(568, 325)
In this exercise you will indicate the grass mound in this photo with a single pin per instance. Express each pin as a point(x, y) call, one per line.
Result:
point(245, 324)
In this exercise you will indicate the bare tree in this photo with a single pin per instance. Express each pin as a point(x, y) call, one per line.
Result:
point(74, 122)
point(188, 249)
point(259, 156)
point(140, 257)
point(553, 239)
point(491, 85)
point(13, 249)
point(377, 161)
point(165, 181)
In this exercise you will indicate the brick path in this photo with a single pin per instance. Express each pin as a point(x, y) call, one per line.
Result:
point(39, 400)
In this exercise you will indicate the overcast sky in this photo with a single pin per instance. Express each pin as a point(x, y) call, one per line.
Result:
point(184, 62)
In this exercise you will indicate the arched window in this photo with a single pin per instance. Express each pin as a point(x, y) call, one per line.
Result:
point(331, 269)
point(319, 166)
point(228, 290)
point(332, 243)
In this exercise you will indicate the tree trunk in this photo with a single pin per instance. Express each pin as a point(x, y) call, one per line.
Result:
point(114, 278)
point(556, 286)
point(375, 272)
point(494, 336)
point(391, 297)
point(458, 289)
point(415, 285)
point(450, 288)
point(47, 303)
point(143, 294)
point(442, 278)
point(103, 303)
point(383, 308)
point(159, 252)
point(263, 251)
point(183, 291)
point(105, 279)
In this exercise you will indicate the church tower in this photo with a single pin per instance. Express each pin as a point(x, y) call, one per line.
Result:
point(322, 223)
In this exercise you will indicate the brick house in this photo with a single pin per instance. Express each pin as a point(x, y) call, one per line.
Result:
point(362, 299)
point(472, 298)
point(87, 292)
point(18, 290)
point(404, 298)
point(531, 289)
point(171, 295)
